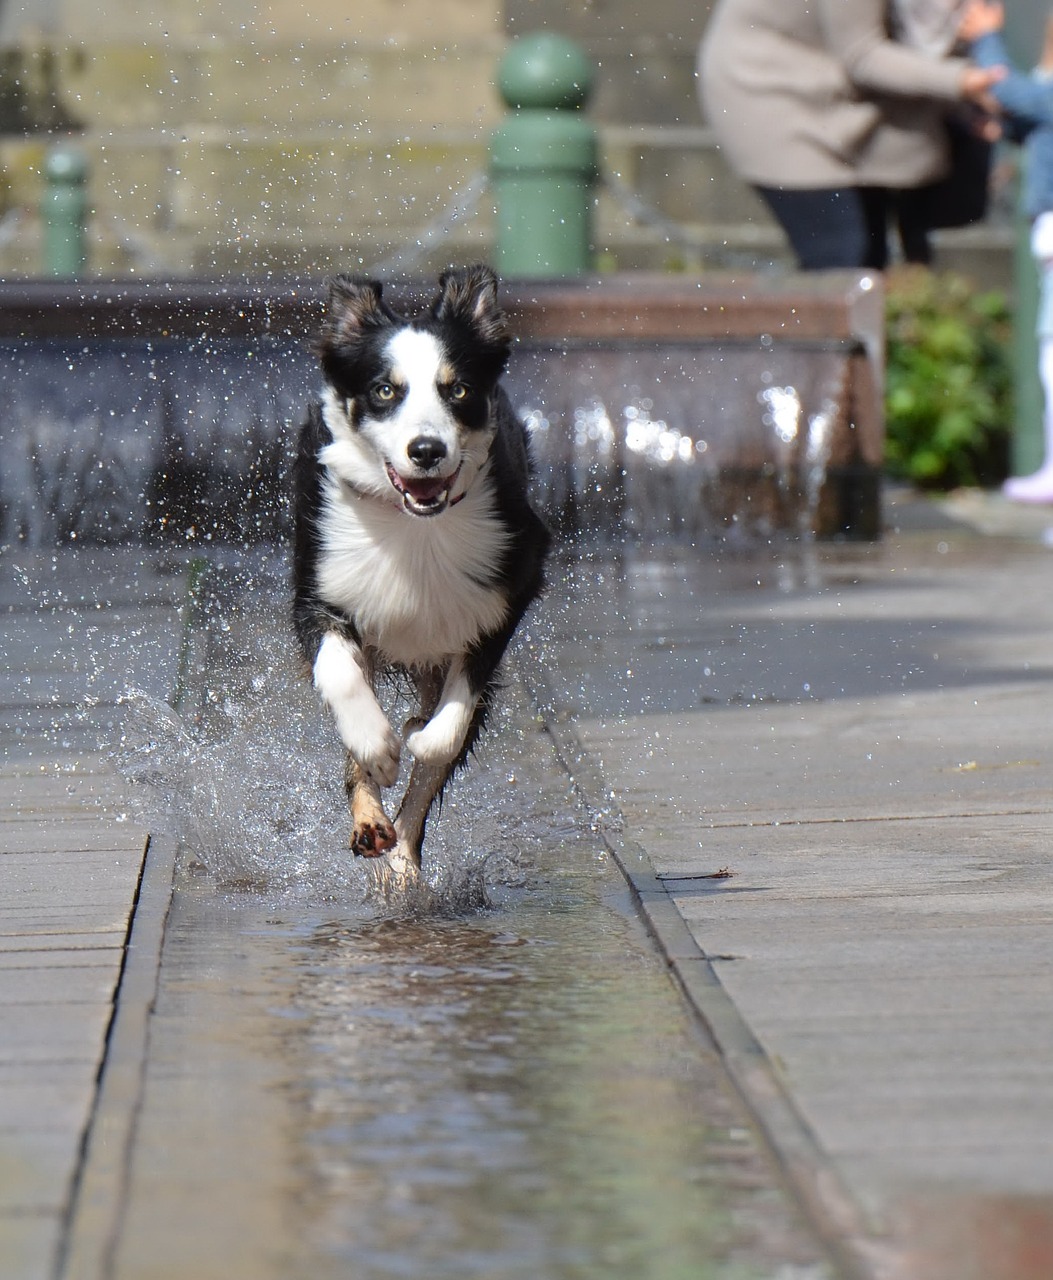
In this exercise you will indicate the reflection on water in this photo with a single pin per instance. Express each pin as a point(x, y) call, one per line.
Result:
point(519, 1097)
point(514, 1092)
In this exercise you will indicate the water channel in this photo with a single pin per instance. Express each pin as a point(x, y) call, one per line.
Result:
point(503, 1083)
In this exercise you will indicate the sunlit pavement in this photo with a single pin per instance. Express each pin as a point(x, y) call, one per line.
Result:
point(836, 766)
point(825, 772)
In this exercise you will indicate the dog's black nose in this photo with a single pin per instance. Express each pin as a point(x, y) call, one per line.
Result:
point(426, 452)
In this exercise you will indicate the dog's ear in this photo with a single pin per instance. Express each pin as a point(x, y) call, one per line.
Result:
point(355, 307)
point(469, 295)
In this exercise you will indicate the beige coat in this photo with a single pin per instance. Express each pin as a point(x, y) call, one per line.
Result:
point(812, 93)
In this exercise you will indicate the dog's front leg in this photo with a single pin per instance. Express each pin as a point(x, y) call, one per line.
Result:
point(440, 739)
point(425, 784)
point(372, 831)
point(341, 675)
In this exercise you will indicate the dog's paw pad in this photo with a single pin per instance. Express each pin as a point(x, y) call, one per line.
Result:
point(372, 839)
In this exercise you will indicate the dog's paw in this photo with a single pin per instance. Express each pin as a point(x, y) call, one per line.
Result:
point(413, 725)
point(371, 740)
point(371, 838)
point(378, 752)
point(440, 739)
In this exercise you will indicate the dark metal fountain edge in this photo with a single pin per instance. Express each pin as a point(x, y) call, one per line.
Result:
point(821, 307)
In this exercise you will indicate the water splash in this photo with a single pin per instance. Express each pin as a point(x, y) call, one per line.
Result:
point(246, 806)
point(247, 772)
point(269, 814)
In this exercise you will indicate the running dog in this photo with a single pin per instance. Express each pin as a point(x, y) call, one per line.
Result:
point(416, 550)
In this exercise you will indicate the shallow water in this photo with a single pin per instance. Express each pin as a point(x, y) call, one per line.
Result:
point(501, 1082)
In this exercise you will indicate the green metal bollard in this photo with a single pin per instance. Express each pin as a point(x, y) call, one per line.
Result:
point(543, 162)
point(63, 212)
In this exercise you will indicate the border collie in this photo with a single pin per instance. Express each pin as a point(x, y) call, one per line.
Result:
point(416, 551)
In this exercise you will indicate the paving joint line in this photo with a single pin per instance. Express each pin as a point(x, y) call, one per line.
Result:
point(91, 1230)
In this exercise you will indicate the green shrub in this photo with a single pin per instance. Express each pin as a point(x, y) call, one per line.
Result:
point(949, 380)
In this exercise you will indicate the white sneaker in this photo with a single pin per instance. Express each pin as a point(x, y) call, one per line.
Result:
point(1037, 488)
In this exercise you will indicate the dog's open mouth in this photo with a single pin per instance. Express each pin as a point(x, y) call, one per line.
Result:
point(423, 496)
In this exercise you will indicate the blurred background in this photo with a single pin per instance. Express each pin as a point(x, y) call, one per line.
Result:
point(254, 138)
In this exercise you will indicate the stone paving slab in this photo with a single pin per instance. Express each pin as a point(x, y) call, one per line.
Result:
point(55, 792)
point(843, 788)
point(55, 1031)
point(26, 1242)
point(77, 630)
point(73, 838)
point(44, 942)
point(57, 1091)
point(917, 755)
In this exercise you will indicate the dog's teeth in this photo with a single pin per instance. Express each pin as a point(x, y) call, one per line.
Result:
point(419, 506)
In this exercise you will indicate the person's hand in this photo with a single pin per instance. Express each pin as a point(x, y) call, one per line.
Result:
point(976, 86)
point(981, 18)
point(988, 128)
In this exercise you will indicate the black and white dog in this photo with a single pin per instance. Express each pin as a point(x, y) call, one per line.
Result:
point(416, 549)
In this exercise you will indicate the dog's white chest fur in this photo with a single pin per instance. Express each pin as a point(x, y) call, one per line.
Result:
point(414, 588)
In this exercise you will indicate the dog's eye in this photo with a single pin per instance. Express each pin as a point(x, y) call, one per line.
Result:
point(384, 391)
point(460, 391)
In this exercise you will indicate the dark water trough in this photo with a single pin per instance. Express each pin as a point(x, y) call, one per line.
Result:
point(695, 410)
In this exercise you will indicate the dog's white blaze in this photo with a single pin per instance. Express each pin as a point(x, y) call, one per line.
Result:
point(414, 587)
point(440, 740)
point(416, 362)
point(363, 727)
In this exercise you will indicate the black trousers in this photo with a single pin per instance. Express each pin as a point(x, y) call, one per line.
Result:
point(834, 227)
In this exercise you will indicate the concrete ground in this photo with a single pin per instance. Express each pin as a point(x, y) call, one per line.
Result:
point(827, 775)
point(832, 786)
point(71, 868)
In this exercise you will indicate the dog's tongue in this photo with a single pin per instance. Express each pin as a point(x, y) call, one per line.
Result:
point(424, 490)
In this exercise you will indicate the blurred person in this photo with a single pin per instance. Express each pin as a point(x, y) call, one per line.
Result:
point(1027, 99)
point(928, 25)
point(824, 113)
point(931, 26)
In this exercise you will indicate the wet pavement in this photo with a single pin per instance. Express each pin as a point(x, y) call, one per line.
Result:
point(825, 774)
point(302, 1082)
point(77, 630)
